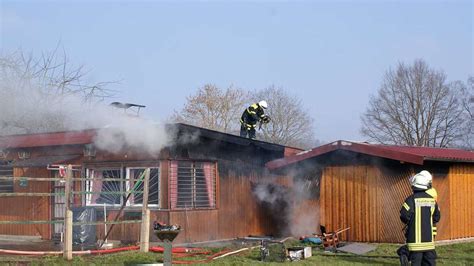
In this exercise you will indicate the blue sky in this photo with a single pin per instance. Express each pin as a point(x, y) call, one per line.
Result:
point(331, 54)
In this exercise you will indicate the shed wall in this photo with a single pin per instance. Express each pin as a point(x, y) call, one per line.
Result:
point(461, 202)
point(27, 208)
point(238, 213)
point(365, 198)
point(368, 198)
point(441, 182)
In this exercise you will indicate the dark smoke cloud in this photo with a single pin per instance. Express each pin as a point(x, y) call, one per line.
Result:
point(294, 209)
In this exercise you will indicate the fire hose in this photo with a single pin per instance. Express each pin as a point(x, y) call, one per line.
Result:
point(178, 250)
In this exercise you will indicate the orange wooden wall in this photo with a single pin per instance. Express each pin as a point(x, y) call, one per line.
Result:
point(460, 203)
point(238, 213)
point(441, 182)
point(365, 199)
point(27, 208)
point(368, 199)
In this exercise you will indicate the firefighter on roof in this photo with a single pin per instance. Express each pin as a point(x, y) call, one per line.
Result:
point(252, 115)
point(420, 213)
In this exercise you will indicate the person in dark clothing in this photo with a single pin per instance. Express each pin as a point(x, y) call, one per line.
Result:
point(251, 116)
point(420, 213)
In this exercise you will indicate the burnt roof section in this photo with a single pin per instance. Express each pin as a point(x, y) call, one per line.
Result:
point(409, 154)
point(185, 131)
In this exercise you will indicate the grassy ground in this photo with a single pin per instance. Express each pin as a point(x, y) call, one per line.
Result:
point(385, 254)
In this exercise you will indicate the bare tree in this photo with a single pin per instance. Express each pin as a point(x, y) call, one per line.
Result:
point(291, 123)
point(414, 106)
point(217, 109)
point(214, 108)
point(467, 103)
point(33, 91)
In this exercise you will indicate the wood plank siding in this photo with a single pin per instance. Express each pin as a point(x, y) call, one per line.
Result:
point(349, 190)
point(364, 198)
point(368, 198)
point(238, 213)
point(461, 202)
point(441, 182)
point(27, 208)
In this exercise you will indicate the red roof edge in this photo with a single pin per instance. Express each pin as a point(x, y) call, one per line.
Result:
point(382, 152)
point(350, 146)
point(48, 139)
point(278, 163)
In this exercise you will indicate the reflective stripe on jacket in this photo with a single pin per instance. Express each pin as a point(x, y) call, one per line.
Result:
point(421, 213)
point(432, 192)
point(252, 115)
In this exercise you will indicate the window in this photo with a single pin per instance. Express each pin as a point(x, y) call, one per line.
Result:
point(192, 184)
point(108, 186)
point(134, 175)
point(99, 183)
point(6, 170)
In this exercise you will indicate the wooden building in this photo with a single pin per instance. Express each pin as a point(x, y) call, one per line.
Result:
point(203, 183)
point(362, 186)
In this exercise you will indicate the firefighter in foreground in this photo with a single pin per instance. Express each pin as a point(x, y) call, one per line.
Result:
point(420, 213)
point(252, 115)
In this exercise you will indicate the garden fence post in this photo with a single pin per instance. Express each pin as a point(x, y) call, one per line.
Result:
point(145, 225)
point(67, 247)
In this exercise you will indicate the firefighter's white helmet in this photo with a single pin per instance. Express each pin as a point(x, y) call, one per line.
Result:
point(422, 180)
point(263, 104)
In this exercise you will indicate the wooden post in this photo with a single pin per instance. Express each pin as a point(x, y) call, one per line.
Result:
point(145, 226)
point(145, 232)
point(67, 187)
point(67, 245)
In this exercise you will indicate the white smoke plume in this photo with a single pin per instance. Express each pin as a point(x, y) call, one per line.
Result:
point(265, 194)
point(304, 215)
point(30, 104)
point(134, 133)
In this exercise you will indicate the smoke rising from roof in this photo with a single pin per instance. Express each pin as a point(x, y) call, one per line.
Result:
point(28, 107)
point(132, 133)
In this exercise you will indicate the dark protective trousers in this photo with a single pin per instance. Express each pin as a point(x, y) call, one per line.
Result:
point(419, 258)
point(250, 131)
